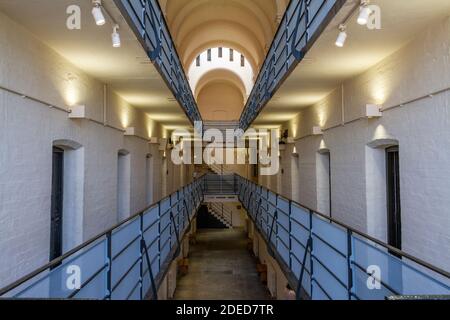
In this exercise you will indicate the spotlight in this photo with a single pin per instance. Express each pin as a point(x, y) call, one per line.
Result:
point(97, 12)
point(342, 37)
point(116, 37)
point(364, 13)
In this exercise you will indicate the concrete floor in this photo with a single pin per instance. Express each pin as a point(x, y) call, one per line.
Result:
point(221, 268)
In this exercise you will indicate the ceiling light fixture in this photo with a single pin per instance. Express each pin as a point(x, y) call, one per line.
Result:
point(342, 37)
point(97, 12)
point(364, 13)
point(116, 37)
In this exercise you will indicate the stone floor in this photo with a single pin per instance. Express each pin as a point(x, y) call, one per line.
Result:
point(220, 267)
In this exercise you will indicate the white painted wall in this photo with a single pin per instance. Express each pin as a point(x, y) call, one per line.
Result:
point(28, 131)
point(422, 129)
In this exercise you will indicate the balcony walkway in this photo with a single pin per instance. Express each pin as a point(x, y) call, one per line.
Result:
point(221, 267)
point(330, 260)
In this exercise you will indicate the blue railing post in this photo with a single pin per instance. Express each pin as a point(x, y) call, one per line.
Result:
point(311, 265)
point(150, 271)
point(177, 236)
point(290, 232)
point(109, 259)
point(303, 268)
point(159, 237)
point(349, 263)
point(141, 263)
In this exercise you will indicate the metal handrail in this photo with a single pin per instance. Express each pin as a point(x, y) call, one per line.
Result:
point(168, 64)
point(269, 80)
point(244, 189)
point(365, 236)
point(105, 234)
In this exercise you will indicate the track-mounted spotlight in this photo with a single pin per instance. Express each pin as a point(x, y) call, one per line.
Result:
point(364, 13)
point(115, 37)
point(342, 37)
point(97, 12)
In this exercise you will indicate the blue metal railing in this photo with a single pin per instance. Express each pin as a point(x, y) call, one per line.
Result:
point(301, 25)
point(147, 20)
point(126, 262)
point(332, 261)
point(329, 259)
point(214, 184)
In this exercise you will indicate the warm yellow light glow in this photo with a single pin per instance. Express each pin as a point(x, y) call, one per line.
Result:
point(165, 133)
point(301, 99)
point(379, 95)
point(294, 129)
point(322, 118)
point(125, 117)
point(71, 95)
point(278, 133)
point(150, 130)
point(379, 88)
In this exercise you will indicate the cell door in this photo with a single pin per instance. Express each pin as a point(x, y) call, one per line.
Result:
point(393, 197)
point(56, 228)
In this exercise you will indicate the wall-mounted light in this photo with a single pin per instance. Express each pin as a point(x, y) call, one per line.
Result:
point(364, 13)
point(373, 111)
point(317, 131)
point(294, 152)
point(97, 12)
point(115, 36)
point(130, 131)
point(153, 140)
point(342, 37)
point(77, 112)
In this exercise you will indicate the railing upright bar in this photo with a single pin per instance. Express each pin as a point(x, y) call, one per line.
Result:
point(109, 259)
point(150, 271)
point(141, 264)
point(302, 270)
point(349, 263)
point(311, 264)
point(290, 233)
point(274, 220)
point(159, 237)
point(172, 218)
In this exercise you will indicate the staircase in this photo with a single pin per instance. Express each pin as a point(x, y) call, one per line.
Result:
point(220, 169)
point(221, 212)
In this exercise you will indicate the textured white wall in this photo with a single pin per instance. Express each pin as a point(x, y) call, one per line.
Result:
point(28, 130)
point(422, 129)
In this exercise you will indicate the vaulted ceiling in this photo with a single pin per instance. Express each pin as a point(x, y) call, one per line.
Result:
point(245, 26)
